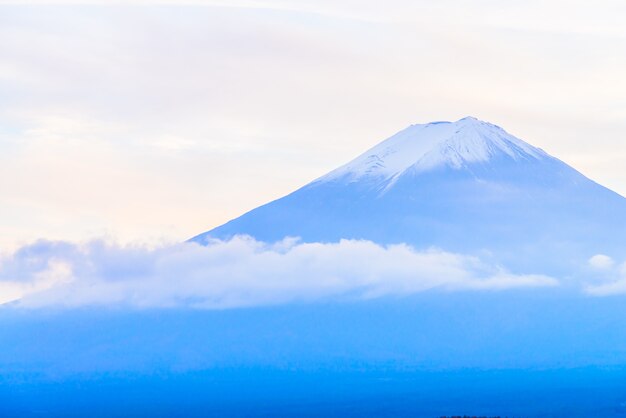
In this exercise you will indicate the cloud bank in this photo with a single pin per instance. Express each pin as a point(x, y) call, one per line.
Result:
point(240, 272)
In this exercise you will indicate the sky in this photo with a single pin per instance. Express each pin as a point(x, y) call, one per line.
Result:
point(145, 121)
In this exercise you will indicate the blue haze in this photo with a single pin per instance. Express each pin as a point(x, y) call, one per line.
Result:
point(514, 354)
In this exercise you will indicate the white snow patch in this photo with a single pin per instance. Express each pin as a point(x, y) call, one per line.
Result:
point(432, 145)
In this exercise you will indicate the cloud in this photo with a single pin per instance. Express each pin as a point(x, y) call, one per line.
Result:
point(601, 262)
point(237, 273)
point(613, 279)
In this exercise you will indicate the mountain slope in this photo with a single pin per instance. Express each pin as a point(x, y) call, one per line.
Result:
point(464, 186)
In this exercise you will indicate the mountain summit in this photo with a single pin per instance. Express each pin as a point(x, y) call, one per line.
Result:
point(421, 148)
point(464, 186)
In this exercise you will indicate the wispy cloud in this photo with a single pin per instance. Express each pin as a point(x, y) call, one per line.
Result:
point(237, 273)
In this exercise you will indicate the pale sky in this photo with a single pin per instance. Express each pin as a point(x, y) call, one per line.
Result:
point(147, 121)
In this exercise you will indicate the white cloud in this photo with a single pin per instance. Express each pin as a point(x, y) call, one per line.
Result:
point(55, 273)
point(236, 273)
point(601, 262)
point(612, 280)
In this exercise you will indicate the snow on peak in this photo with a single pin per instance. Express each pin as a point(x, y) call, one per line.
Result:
point(428, 146)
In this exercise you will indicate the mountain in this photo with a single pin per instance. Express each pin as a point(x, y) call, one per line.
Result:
point(466, 186)
point(463, 186)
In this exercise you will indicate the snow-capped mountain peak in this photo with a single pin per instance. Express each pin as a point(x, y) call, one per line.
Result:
point(425, 147)
point(464, 186)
